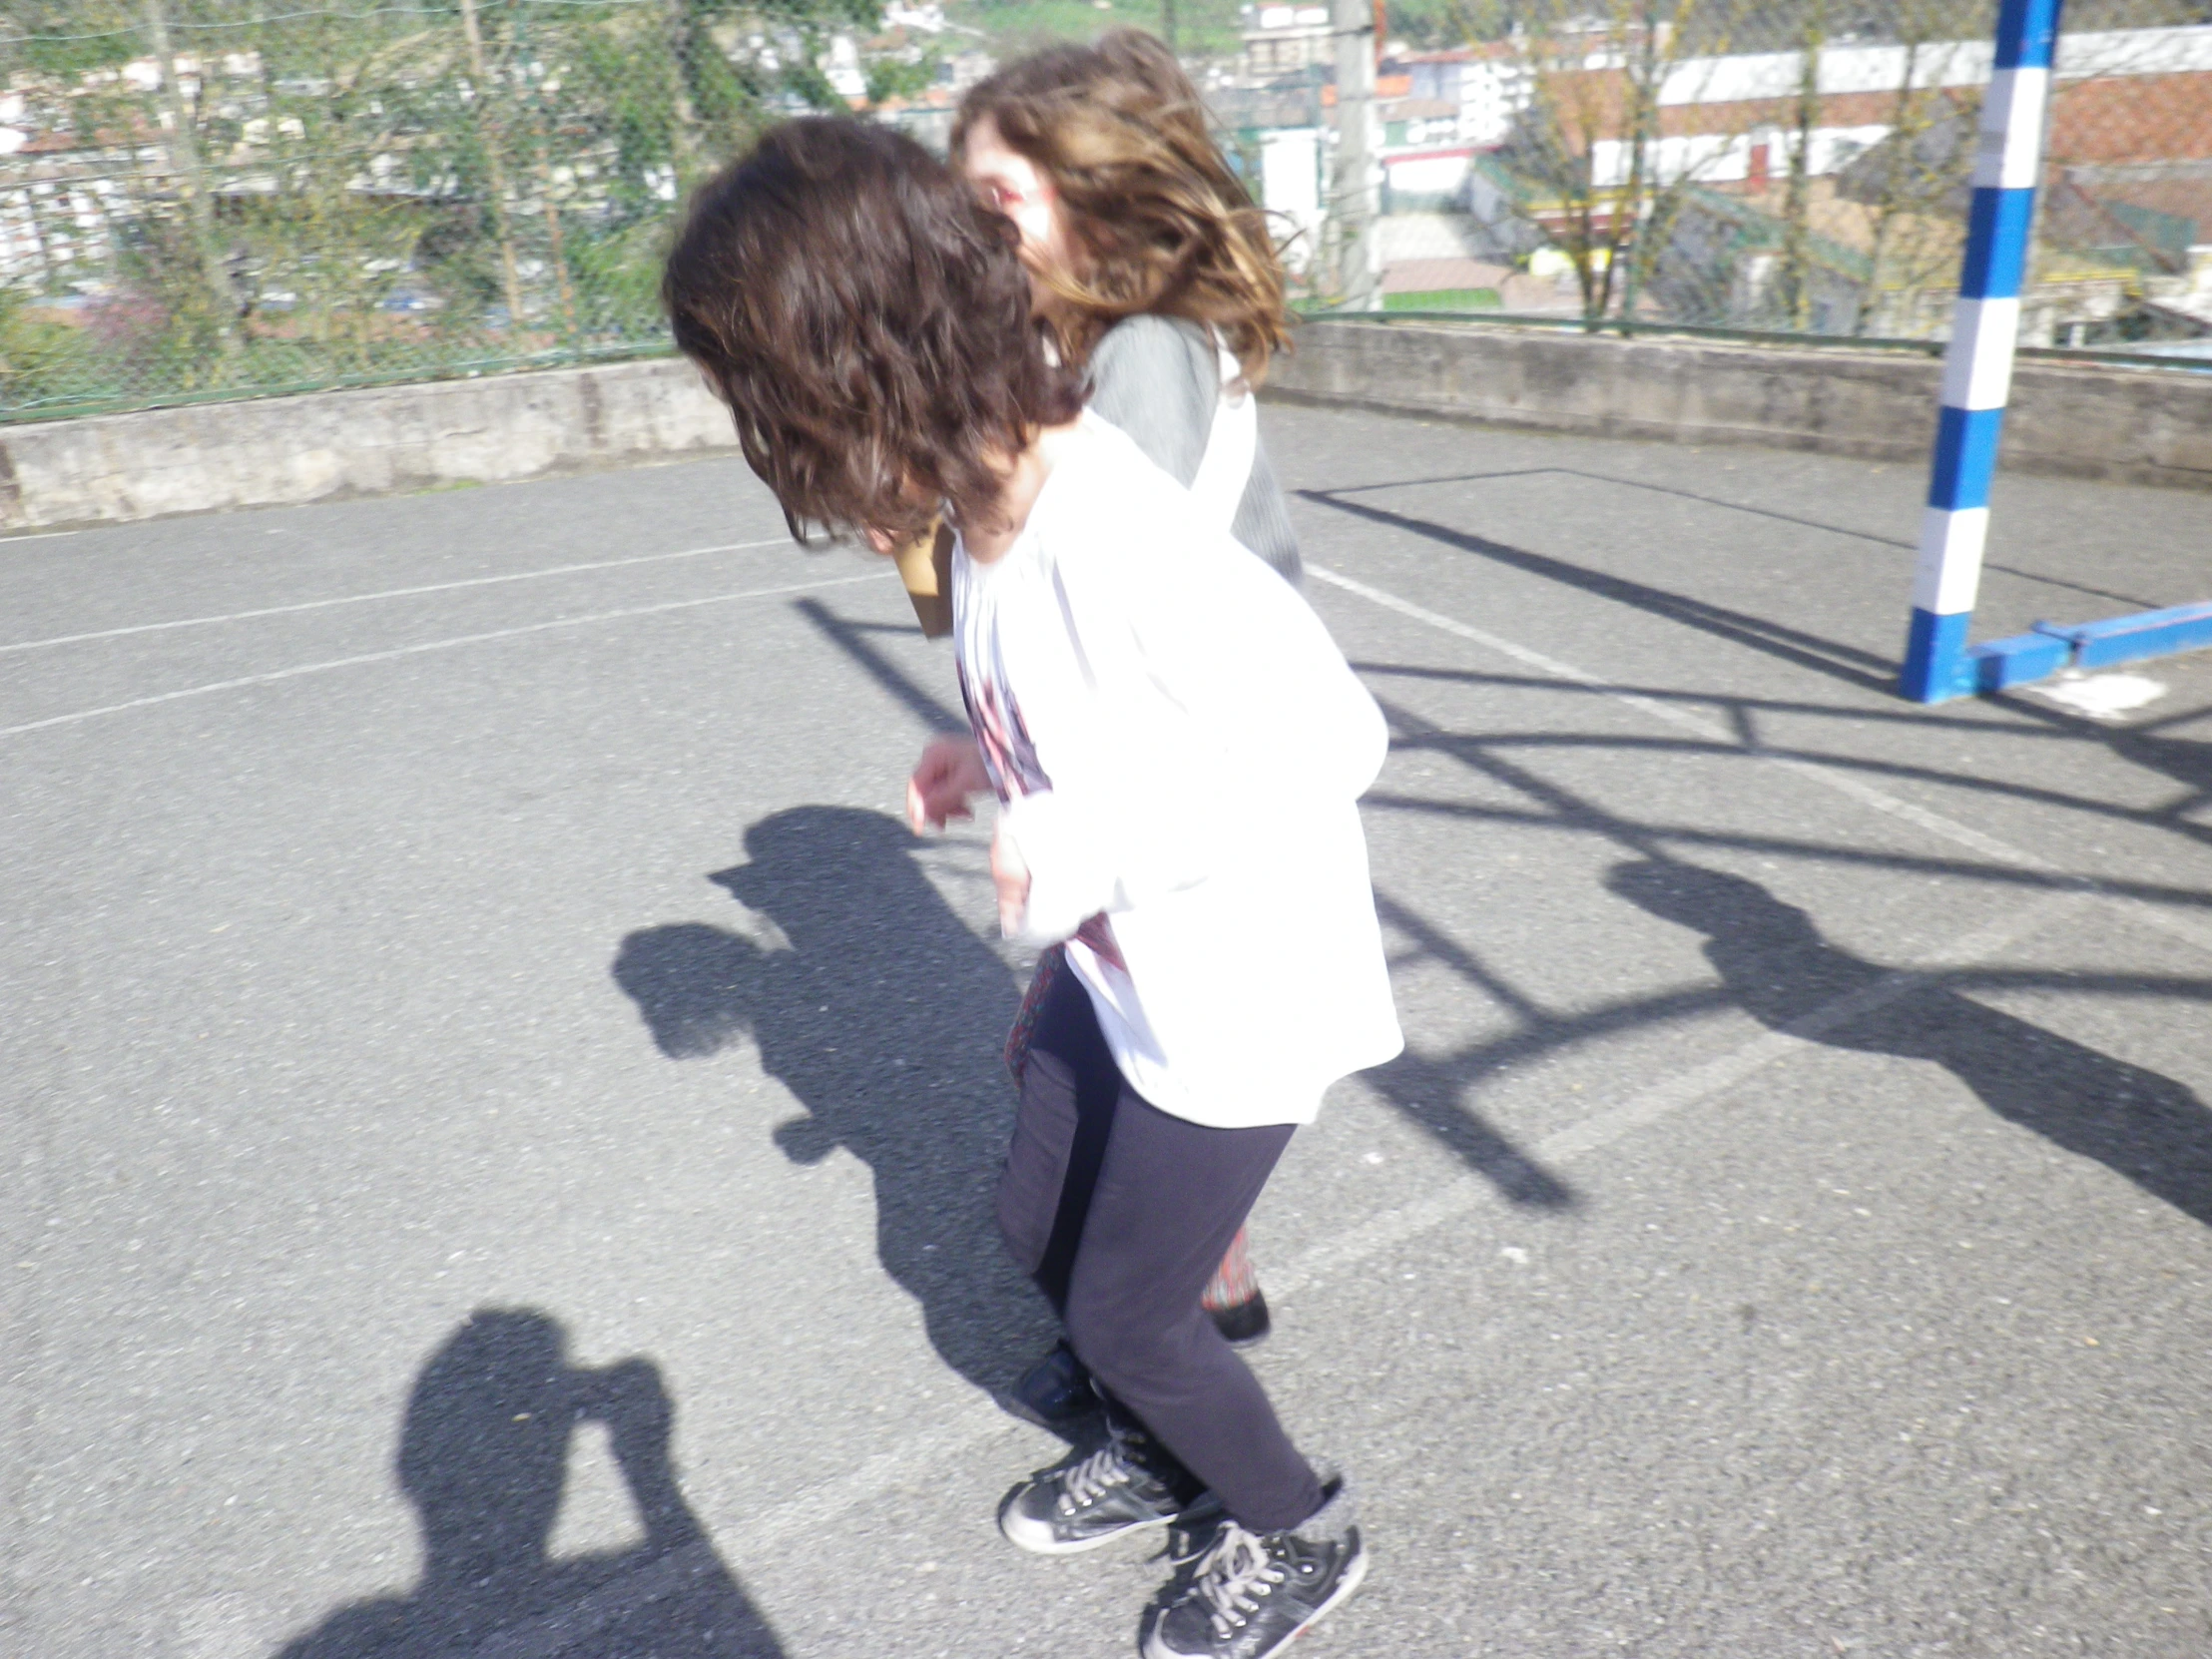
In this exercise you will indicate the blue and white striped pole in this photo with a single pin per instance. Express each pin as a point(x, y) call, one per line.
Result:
point(1978, 367)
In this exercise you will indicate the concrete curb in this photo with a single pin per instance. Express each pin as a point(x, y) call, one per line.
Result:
point(2124, 426)
point(2141, 426)
point(369, 441)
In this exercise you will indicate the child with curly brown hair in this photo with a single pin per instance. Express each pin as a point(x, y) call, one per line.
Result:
point(1177, 807)
point(1158, 278)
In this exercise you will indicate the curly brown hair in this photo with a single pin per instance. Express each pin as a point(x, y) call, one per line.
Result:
point(867, 322)
point(1162, 223)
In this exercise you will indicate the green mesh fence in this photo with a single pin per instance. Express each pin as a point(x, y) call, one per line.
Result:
point(1795, 166)
point(204, 199)
point(199, 201)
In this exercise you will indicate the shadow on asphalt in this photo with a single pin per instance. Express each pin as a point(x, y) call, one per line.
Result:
point(1773, 963)
point(1834, 657)
point(885, 1018)
point(2131, 602)
point(483, 1457)
point(1427, 1094)
point(2187, 760)
point(1778, 969)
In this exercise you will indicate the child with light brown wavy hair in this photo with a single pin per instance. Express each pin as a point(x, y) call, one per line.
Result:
point(1148, 260)
point(1158, 279)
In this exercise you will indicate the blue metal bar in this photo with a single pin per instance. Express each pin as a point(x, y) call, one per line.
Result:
point(2128, 639)
point(2001, 664)
point(1977, 369)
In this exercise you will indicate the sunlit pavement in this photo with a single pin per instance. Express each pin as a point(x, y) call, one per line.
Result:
point(500, 1117)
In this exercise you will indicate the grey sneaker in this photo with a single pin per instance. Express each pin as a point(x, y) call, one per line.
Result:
point(1089, 1501)
point(1253, 1591)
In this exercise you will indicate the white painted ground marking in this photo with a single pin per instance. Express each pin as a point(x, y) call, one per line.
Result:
point(389, 593)
point(977, 1420)
point(1602, 1128)
point(2100, 696)
point(43, 535)
point(1831, 778)
point(365, 658)
point(1843, 782)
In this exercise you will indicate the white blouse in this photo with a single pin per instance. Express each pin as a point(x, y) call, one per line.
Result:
point(1179, 747)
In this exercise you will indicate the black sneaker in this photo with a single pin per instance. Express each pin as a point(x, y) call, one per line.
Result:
point(1246, 1325)
point(1253, 1591)
point(1055, 1393)
point(1089, 1501)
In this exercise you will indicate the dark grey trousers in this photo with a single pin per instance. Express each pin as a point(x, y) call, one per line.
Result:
point(1121, 1212)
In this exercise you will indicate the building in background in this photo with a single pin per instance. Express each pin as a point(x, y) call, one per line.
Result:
point(1283, 40)
point(1825, 195)
point(505, 203)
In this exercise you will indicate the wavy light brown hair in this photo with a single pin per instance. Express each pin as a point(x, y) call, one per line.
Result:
point(867, 322)
point(1160, 221)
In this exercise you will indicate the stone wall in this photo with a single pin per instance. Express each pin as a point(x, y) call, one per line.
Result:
point(369, 441)
point(2149, 426)
point(2144, 427)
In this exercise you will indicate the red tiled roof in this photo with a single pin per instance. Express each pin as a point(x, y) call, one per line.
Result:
point(1385, 86)
point(2105, 120)
point(2135, 118)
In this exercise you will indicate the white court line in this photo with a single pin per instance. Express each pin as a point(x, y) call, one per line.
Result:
point(977, 1420)
point(1831, 778)
point(275, 675)
point(1602, 1128)
point(389, 593)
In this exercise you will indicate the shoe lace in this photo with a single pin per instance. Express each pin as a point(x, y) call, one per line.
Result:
point(1094, 1477)
point(1234, 1574)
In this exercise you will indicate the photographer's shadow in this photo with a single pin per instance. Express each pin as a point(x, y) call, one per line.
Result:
point(483, 1457)
point(885, 1018)
point(2142, 1125)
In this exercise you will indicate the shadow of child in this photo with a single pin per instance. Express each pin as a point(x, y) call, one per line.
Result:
point(483, 1456)
point(885, 1018)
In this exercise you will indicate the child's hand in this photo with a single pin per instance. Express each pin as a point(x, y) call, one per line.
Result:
point(1012, 878)
point(950, 769)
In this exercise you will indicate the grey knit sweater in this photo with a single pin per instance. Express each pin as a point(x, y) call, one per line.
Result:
point(1159, 380)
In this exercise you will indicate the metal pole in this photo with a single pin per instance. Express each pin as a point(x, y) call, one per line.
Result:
point(1353, 200)
point(495, 168)
point(1977, 366)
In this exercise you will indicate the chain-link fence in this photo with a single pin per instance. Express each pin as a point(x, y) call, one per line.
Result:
point(1788, 165)
point(198, 199)
point(211, 197)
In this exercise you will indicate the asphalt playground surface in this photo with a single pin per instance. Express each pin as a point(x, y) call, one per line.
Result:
point(500, 1116)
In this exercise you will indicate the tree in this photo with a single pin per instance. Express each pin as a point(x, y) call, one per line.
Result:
point(1590, 154)
point(373, 191)
point(1914, 183)
point(1795, 286)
